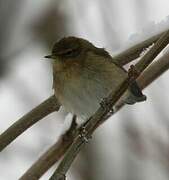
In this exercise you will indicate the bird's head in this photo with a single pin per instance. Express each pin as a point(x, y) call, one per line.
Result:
point(70, 47)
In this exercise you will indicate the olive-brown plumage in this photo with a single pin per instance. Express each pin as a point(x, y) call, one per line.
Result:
point(83, 75)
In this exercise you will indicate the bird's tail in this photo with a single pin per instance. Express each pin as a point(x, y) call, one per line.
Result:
point(134, 94)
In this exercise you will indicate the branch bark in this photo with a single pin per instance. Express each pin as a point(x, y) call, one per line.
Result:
point(134, 52)
point(154, 71)
point(52, 155)
point(153, 52)
point(42, 110)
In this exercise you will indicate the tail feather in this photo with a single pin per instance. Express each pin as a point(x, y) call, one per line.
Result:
point(135, 94)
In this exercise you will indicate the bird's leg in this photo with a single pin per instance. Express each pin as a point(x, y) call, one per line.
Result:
point(133, 73)
point(104, 104)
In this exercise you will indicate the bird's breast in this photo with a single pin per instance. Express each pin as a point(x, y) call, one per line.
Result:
point(80, 91)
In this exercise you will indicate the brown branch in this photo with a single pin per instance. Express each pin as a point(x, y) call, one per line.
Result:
point(153, 52)
point(52, 155)
point(45, 161)
point(154, 71)
point(79, 141)
point(45, 108)
point(134, 52)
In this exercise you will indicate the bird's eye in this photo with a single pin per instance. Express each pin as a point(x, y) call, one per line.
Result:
point(68, 52)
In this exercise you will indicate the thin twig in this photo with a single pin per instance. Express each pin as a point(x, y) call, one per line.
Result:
point(154, 71)
point(134, 52)
point(45, 108)
point(55, 151)
point(153, 52)
point(79, 142)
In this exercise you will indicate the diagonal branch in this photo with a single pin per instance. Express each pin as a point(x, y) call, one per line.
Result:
point(134, 52)
point(154, 71)
point(45, 108)
point(55, 151)
point(79, 142)
point(153, 52)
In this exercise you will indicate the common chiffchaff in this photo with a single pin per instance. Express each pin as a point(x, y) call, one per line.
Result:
point(83, 75)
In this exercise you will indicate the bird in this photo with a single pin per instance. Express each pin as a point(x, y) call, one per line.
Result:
point(83, 75)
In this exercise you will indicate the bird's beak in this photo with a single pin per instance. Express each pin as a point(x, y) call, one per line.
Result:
point(48, 56)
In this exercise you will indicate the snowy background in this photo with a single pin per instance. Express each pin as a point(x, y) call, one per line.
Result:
point(132, 145)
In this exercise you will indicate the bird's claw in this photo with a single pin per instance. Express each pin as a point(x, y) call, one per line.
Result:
point(104, 103)
point(133, 73)
point(83, 134)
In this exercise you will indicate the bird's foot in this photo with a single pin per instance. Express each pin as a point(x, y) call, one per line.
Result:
point(104, 103)
point(83, 134)
point(133, 73)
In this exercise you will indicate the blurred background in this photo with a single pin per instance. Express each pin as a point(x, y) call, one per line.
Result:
point(133, 144)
